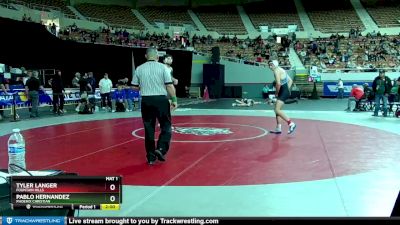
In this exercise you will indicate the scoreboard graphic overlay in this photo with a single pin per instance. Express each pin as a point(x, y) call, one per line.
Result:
point(73, 192)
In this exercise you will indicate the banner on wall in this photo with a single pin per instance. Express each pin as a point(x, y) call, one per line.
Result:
point(71, 95)
point(264, 29)
point(331, 89)
point(280, 31)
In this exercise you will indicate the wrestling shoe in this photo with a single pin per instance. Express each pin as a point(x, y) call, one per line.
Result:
point(276, 131)
point(292, 127)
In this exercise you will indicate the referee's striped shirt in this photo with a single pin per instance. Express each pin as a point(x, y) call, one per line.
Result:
point(152, 77)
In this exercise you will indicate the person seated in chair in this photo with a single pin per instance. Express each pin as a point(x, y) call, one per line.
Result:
point(365, 102)
point(368, 95)
point(265, 91)
point(356, 95)
point(119, 103)
point(295, 92)
point(133, 98)
point(85, 107)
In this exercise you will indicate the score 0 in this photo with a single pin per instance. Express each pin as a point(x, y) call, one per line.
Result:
point(112, 184)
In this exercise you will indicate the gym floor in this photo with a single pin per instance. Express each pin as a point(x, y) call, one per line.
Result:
point(223, 161)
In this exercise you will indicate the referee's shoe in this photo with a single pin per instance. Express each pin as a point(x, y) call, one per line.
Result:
point(159, 155)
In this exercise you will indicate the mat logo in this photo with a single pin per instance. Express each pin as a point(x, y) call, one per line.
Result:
point(6, 97)
point(9, 220)
point(201, 131)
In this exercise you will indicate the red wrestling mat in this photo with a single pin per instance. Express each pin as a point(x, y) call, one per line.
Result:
point(211, 150)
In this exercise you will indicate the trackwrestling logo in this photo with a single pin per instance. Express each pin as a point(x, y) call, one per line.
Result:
point(201, 131)
point(40, 220)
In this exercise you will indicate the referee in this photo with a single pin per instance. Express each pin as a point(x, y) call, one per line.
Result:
point(155, 83)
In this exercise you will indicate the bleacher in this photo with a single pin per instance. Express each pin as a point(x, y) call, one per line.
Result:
point(111, 14)
point(385, 46)
point(222, 19)
point(332, 16)
point(168, 15)
point(274, 14)
point(384, 13)
point(61, 4)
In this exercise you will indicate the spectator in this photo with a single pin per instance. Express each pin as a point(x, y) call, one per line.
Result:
point(105, 86)
point(84, 88)
point(368, 93)
point(123, 81)
point(53, 29)
point(92, 81)
point(398, 88)
point(75, 81)
point(133, 98)
point(32, 91)
point(3, 83)
point(84, 85)
point(74, 27)
point(187, 91)
point(381, 87)
point(356, 95)
point(295, 91)
point(340, 88)
point(57, 87)
point(119, 103)
point(4, 88)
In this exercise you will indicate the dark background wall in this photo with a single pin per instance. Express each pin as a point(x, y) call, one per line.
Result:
point(31, 46)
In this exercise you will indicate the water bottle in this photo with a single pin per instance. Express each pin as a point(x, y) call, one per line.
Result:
point(16, 152)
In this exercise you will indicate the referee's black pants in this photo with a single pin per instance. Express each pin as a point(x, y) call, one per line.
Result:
point(156, 107)
point(58, 101)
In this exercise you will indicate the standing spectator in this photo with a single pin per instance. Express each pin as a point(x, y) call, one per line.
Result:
point(398, 87)
point(57, 86)
point(32, 91)
point(75, 81)
point(84, 85)
point(91, 94)
point(92, 81)
point(340, 87)
point(187, 91)
point(3, 87)
point(155, 82)
point(84, 88)
point(29, 75)
point(381, 87)
point(105, 86)
point(53, 29)
point(3, 83)
point(398, 91)
point(394, 94)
